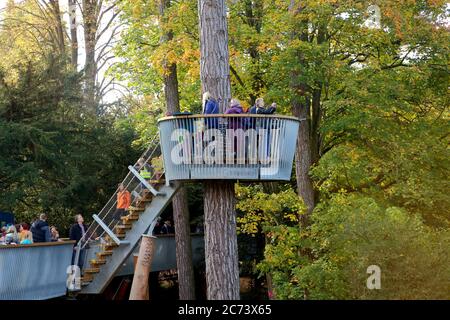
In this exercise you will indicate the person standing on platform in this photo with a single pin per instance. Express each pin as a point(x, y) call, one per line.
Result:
point(41, 230)
point(76, 233)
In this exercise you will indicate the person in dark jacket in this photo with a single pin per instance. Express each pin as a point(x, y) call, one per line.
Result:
point(41, 230)
point(167, 228)
point(259, 108)
point(77, 232)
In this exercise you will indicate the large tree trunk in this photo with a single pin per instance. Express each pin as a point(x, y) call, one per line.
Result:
point(303, 158)
point(222, 269)
point(221, 251)
point(301, 104)
point(90, 14)
point(214, 61)
point(73, 33)
point(185, 267)
point(186, 283)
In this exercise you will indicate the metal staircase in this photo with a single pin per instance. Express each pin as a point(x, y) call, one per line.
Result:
point(108, 242)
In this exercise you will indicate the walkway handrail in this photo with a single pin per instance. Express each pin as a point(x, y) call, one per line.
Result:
point(223, 115)
point(132, 184)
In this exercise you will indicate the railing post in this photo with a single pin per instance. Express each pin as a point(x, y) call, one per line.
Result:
point(108, 230)
point(144, 182)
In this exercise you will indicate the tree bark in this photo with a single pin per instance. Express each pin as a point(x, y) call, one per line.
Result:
point(73, 33)
point(221, 250)
point(303, 159)
point(214, 61)
point(90, 14)
point(301, 109)
point(186, 283)
point(222, 268)
point(185, 267)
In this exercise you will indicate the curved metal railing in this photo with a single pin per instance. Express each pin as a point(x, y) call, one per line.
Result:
point(236, 147)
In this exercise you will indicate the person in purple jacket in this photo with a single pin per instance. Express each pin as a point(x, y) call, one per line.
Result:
point(235, 108)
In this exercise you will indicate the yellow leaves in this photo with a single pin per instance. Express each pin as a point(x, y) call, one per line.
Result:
point(261, 209)
point(137, 10)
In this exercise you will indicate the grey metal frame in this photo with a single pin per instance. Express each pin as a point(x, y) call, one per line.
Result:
point(109, 231)
point(34, 272)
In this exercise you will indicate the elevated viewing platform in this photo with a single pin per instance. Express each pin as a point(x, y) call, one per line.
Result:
point(235, 147)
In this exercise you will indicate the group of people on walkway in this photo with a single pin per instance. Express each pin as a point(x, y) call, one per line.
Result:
point(22, 233)
point(211, 106)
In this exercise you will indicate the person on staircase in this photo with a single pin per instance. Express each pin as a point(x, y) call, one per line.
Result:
point(145, 170)
point(123, 202)
point(77, 232)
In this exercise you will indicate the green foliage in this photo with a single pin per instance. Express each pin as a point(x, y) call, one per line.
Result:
point(349, 233)
point(145, 55)
point(257, 209)
point(378, 100)
point(53, 157)
point(390, 139)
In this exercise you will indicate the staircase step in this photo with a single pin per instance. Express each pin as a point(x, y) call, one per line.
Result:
point(108, 248)
point(124, 227)
point(97, 262)
point(160, 181)
point(127, 225)
point(87, 277)
point(147, 196)
point(92, 270)
point(120, 253)
point(110, 244)
point(136, 209)
point(132, 217)
point(121, 235)
point(102, 254)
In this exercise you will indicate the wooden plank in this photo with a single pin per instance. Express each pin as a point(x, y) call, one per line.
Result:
point(92, 270)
